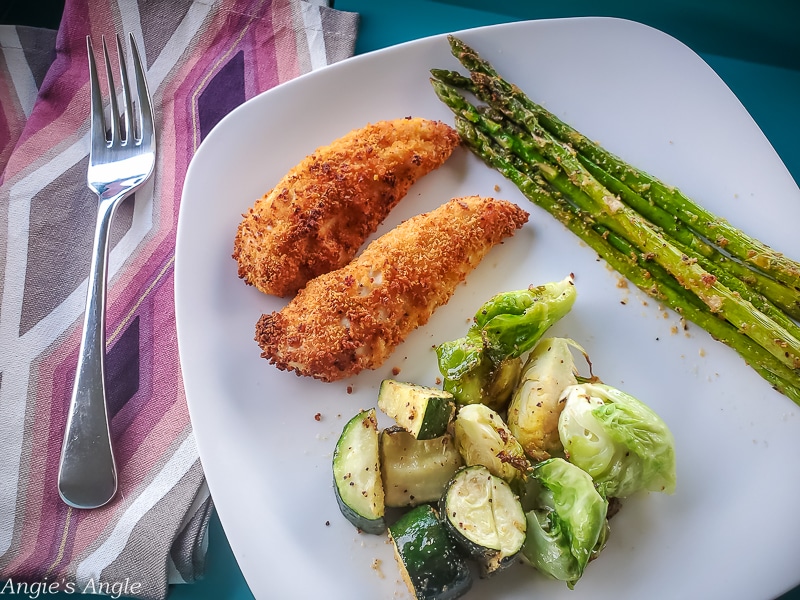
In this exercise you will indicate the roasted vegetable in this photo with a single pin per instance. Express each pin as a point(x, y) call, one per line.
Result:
point(469, 374)
point(484, 517)
point(480, 367)
point(423, 411)
point(511, 323)
point(484, 439)
point(618, 440)
point(535, 407)
point(416, 471)
point(567, 524)
point(429, 562)
point(356, 473)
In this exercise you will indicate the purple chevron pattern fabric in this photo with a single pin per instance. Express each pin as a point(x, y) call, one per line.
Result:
point(203, 59)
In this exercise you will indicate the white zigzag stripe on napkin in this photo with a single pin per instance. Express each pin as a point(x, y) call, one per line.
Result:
point(21, 75)
point(314, 35)
point(14, 387)
point(132, 23)
point(189, 26)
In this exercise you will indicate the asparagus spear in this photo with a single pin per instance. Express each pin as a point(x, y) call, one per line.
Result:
point(625, 260)
point(617, 216)
point(778, 336)
point(768, 295)
point(584, 171)
point(513, 138)
point(786, 298)
point(783, 296)
point(713, 228)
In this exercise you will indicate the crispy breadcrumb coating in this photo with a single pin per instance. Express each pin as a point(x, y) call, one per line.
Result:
point(353, 318)
point(318, 216)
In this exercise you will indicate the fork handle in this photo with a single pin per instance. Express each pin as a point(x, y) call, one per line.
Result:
point(87, 476)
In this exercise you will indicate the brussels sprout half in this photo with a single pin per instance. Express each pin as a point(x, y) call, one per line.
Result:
point(481, 366)
point(567, 526)
point(535, 407)
point(618, 440)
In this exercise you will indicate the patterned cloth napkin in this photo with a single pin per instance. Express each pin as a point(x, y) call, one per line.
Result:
point(203, 58)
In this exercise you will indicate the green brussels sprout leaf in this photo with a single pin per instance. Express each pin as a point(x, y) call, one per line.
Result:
point(618, 440)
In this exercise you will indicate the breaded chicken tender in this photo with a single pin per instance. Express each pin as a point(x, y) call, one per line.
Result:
point(352, 319)
point(318, 216)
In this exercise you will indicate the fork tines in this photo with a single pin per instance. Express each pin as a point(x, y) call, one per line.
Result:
point(122, 129)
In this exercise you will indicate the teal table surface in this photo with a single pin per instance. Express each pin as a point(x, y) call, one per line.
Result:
point(753, 46)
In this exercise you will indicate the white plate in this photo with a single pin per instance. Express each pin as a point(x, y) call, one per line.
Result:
point(732, 528)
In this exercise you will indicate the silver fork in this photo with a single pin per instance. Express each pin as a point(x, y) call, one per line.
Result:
point(121, 159)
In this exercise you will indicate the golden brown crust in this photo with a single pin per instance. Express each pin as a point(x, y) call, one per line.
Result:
point(318, 216)
point(353, 318)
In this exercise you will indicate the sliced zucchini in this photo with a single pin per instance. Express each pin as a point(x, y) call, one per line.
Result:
point(416, 471)
point(484, 439)
point(424, 412)
point(357, 475)
point(429, 561)
point(484, 517)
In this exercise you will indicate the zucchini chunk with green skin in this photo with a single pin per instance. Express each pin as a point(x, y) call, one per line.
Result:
point(428, 559)
point(484, 517)
point(357, 475)
point(424, 412)
point(484, 439)
point(416, 471)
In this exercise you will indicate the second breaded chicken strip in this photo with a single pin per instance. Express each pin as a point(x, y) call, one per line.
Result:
point(318, 216)
point(352, 319)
